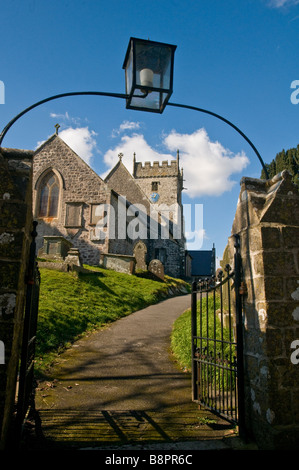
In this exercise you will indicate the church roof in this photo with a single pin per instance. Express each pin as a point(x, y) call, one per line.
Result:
point(203, 262)
point(55, 139)
point(122, 182)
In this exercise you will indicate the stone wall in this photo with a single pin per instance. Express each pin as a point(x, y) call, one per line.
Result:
point(15, 239)
point(174, 262)
point(168, 177)
point(120, 263)
point(138, 190)
point(267, 220)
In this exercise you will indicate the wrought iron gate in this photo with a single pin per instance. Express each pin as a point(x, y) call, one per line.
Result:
point(26, 374)
point(217, 343)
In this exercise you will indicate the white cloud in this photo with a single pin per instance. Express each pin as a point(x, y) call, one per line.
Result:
point(126, 125)
point(67, 118)
point(60, 116)
point(81, 140)
point(207, 165)
point(282, 3)
point(129, 125)
point(78, 138)
point(128, 146)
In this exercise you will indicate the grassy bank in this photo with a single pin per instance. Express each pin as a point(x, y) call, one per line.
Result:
point(72, 304)
point(181, 334)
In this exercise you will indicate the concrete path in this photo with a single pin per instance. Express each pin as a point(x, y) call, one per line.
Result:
point(121, 387)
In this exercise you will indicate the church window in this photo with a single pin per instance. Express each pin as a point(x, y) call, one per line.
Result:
point(155, 186)
point(49, 196)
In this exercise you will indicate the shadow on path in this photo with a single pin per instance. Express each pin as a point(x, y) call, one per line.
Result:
point(121, 387)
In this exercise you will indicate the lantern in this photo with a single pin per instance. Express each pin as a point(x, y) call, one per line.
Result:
point(149, 74)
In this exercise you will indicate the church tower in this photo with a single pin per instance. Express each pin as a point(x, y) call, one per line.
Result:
point(162, 183)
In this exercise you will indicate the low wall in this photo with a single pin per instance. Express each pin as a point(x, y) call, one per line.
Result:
point(120, 263)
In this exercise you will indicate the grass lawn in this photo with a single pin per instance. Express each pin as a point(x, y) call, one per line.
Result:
point(72, 304)
point(181, 334)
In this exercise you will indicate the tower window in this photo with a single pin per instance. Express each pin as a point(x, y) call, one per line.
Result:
point(49, 196)
point(155, 186)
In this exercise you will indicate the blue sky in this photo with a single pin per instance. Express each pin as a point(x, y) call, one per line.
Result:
point(237, 58)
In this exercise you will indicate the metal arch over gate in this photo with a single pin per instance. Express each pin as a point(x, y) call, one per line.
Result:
point(217, 343)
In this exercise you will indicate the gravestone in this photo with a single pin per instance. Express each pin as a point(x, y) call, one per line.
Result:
point(73, 257)
point(156, 268)
point(140, 251)
point(54, 247)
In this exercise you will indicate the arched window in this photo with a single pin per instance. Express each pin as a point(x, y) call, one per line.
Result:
point(49, 196)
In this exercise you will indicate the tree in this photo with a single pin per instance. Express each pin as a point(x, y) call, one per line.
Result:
point(284, 160)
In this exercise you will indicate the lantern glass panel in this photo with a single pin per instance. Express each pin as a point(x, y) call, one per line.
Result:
point(129, 72)
point(149, 74)
point(153, 101)
point(155, 59)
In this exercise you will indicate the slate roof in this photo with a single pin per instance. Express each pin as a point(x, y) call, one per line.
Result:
point(203, 262)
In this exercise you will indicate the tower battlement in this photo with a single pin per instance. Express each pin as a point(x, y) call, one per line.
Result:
point(156, 169)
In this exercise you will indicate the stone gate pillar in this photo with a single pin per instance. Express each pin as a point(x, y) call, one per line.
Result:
point(267, 220)
point(15, 238)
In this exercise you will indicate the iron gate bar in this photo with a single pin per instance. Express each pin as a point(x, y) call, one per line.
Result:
point(218, 374)
point(193, 335)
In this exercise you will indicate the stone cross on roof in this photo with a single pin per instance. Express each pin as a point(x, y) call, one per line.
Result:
point(120, 155)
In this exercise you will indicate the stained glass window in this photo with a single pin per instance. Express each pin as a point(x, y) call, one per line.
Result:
point(49, 196)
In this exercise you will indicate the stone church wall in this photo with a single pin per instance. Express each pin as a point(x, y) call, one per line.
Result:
point(119, 242)
point(82, 190)
point(173, 263)
point(79, 186)
point(168, 181)
point(167, 177)
point(167, 188)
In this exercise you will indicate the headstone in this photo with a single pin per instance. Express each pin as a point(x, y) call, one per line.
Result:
point(54, 247)
point(73, 257)
point(140, 251)
point(156, 268)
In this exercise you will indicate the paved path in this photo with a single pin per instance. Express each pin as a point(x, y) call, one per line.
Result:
point(120, 386)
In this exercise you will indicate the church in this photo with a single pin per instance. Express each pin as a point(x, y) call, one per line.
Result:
point(109, 220)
